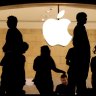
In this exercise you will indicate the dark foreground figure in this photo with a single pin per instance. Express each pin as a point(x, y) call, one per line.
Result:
point(81, 53)
point(13, 72)
point(43, 65)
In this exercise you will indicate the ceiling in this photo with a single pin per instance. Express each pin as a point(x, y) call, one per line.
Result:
point(14, 2)
point(33, 15)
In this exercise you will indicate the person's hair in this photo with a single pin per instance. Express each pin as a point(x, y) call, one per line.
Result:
point(45, 49)
point(81, 15)
point(63, 75)
point(12, 18)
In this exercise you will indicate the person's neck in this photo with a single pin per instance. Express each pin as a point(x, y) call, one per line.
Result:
point(81, 24)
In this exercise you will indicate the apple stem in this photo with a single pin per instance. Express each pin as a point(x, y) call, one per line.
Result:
point(58, 11)
point(58, 8)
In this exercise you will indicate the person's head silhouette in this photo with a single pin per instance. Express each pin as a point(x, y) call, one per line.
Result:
point(45, 51)
point(81, 18)
point(12, 22)
point(64, 79)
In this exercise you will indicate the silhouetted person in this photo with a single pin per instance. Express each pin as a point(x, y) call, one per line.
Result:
point(62, 89)
point(71, 71)
point(93, 70)
point(17, 73)
point(82, 52)
point(13, 37)
point(12, 57)
point(13, 73)
point(43, 65)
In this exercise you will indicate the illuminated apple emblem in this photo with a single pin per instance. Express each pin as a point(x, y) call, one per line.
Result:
point(55, 31)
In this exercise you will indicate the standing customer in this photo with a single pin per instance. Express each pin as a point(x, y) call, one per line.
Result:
point(82, 52)
point(43, 65)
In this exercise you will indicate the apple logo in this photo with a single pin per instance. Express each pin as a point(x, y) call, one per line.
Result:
point(55, 31)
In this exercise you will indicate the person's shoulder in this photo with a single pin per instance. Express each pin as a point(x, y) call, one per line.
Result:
point(9, 31)
point(78, 27)
point(38, 57)
point(71, 49)
point(23, 56)
point(59, 85)
point(17, 29)
point(93, 58)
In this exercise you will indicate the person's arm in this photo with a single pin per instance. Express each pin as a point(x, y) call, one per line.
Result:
point(68, 58)
point(5, 47)
point(56, 69)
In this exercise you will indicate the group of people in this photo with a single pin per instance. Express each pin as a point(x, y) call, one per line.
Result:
point(77, 58)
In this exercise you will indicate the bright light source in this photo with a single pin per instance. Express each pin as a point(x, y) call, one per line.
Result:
point(56, 32)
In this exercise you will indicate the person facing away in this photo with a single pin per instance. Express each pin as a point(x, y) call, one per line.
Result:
point(43, 65)
point(71, 71)
point(82, 51)
point(62, 89)
point(93, 70)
